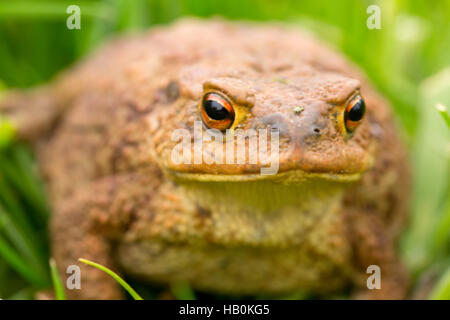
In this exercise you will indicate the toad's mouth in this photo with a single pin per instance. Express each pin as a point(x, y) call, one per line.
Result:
point(287, 177)
point(288, 167)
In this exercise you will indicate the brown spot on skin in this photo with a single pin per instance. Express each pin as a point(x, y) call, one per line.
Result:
point(168, 94)
point(202, 212)
point(172, 92)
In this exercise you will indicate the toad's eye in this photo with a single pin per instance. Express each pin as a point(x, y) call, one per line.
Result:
point(217, 112)
point(354, 113)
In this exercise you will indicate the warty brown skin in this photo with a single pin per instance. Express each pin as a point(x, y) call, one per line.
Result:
point(102, 131)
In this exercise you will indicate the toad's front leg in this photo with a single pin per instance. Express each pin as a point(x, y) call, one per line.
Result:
point(87, 224)
point(374, 247)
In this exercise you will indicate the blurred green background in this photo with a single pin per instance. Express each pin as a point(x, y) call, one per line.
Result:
point(408, 59)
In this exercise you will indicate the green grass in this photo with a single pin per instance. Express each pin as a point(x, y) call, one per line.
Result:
point(58, 287)
point(408, 60)
point(115, 276)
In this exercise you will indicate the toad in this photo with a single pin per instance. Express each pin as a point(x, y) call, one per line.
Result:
point(105, 137)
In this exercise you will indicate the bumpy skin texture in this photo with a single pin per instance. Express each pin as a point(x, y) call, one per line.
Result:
point(104, 147)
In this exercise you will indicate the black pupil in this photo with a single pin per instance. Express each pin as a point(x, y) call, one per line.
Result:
point(215, 110)
point(357, 111)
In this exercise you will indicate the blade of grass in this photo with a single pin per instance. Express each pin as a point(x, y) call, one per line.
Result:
point(50, 10)
point(444, 113)
point(131, 14)
point(19, 172)
point(442, 289)
point(24, 239)
point(11, 205)
point(182, 291)
point(11, 257)
point(431, 171)
point(115, 276)
point(7, 132)
point(57, 284)
point(16, 237)
point(31, 181)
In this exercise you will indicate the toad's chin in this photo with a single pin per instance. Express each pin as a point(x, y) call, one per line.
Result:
point(294, 189)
